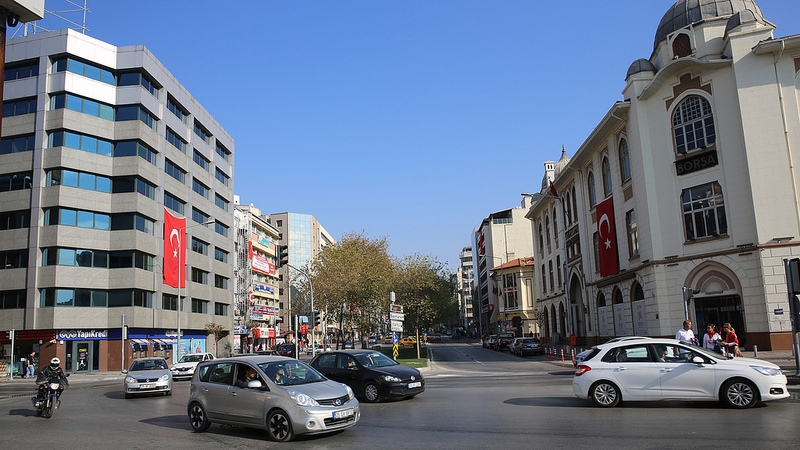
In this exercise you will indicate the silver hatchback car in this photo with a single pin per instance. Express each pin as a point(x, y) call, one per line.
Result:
point(283, 396)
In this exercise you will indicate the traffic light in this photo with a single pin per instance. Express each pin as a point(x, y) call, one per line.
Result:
point(316, 318)
point(283, 256)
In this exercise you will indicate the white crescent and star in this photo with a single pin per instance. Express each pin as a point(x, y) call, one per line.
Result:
point(174, 235)
point(605, 219)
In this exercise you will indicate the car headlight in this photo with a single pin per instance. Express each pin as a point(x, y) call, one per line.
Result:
point(768, 371)
point(350, 393)
point(391, 379)
point(130, 380)
point(164, 377)
point(302, 399)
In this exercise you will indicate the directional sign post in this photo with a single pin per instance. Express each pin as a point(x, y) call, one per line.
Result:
point(396, 318)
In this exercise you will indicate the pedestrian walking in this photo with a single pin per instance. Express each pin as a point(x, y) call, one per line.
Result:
point(686, 335)
point(30, 368)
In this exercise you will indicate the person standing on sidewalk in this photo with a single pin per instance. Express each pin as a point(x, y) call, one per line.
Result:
point(686, 335)
point(30, 369)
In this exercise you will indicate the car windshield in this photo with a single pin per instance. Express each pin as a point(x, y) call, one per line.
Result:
point(375, 359)
point(290, 373)
point(138, 366)
point(191, 358)
point(530, 341)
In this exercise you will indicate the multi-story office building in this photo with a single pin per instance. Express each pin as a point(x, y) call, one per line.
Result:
point(501, 237)
point(683, 202)
point(464, 282)
point(515, 291)
point(305, 238)
point(257, 322)
point(98, 143)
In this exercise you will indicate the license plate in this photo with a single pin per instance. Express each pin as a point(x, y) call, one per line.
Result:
point(145, 386)
point(343, 414)
point(415, 384)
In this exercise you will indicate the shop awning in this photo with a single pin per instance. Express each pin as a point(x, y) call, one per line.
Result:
point(164, 341)
point(140, 341)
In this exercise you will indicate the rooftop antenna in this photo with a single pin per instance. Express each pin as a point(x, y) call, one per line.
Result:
point(65, 14)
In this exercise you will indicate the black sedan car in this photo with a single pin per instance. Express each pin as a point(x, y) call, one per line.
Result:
point(372, 375)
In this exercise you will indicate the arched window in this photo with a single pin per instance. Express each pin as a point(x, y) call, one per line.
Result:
point(555, 227)
point(606, 178)
point(693, 125)
point(681, 46)
point(568, 208)
point(618, 296)
point(558, 269)
point(637, 292)
point(574, 206)
point(601, 300)
point(624, 161)
point(590, 185)
point(541, 240)
point(550, 266)
point(547, 231)
point(544, 280)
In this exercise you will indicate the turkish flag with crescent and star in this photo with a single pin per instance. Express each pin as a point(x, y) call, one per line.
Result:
point(174, 249)
point(607, 238)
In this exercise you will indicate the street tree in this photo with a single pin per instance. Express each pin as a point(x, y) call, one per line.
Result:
point(352, 280)
point(424, 289)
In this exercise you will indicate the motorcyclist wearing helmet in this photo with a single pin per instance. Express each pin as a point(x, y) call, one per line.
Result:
point(49, 372)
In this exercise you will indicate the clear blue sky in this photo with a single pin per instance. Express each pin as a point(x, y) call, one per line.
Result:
point(412, 120)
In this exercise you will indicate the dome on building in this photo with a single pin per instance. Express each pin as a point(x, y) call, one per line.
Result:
point(562, 162)
point(640, 65)
point(686, 12)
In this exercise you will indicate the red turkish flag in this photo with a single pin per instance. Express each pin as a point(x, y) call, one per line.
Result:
point(607, 238)
point(553, 191)
point(174, 250)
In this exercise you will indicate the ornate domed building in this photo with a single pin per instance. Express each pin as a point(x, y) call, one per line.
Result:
point(684, 202)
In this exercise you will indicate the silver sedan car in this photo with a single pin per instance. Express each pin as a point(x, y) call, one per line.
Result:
point(148, 375)
point(283, 396)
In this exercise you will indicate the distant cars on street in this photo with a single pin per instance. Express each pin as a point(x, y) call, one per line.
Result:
point(665, 369)
point(185, 366)
point(503, 341)
point(524, 346)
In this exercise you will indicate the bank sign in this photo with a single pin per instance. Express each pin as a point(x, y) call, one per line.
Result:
point(82, 335)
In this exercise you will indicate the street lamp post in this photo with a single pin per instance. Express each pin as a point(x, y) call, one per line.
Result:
point(180, 264)
point(311, 288)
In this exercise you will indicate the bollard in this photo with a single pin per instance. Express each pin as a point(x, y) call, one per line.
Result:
point(562, 355)
point(573, 356)
point(755, 351)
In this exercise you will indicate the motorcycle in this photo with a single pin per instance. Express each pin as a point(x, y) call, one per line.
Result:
point(48, 399)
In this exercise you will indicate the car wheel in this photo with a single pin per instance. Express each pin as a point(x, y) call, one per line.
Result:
point(739, 394)
point(279, 427)
point(604, 393)
point(168, 392)
point(198, 418)
point(371, 393)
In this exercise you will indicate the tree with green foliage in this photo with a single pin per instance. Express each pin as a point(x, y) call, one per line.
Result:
point(352, 280)
point(424, 289)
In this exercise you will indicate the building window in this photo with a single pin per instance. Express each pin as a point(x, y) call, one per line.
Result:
point(221, 202)
point(550, 271)
point(175, 140)
point(544, 280)
point(82, 105)
point(84, 69)
point(220, 255)
point(681, 46)
point(541, 240)
point(704, 211)
point(17, 144)
point(138, 79)
point(81, 180)
point(199, 216)
point(199, 306)
point(221, 229)
point(633, 233)
point(223, 152)
point(558, 270)
point(16, 181)
point(590, 187)
point(13, 259)
point(177, 109)
point(19, 107)
point(25, 70)
point(174, 171)
point(555, 227)
point(221, 177)
point(547, 232)
point(133, 148)
point(199, 276)
point(201, 131)
point(200, 188)
point(77, 218)
point(693, 125)
point(220, 282)
point(596, 245)
point(81, 142)
point(606, 177)
point(12, 299)
point(135, 112)
point(173, 203)
point(201, 161)
point(617, 296)
point(169, 301)
point(220, 309)
point(199, 246)
point(624, 161)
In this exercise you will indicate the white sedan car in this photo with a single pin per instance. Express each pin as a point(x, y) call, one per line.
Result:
point(665, 369)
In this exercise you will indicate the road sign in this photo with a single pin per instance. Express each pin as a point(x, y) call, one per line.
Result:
point(394, 316)
point(396, 326)
point(396, 308)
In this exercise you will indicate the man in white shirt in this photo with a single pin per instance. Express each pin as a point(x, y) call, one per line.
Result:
point(685, 334)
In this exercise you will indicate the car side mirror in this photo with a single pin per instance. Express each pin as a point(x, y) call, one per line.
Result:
point(254, 384)
point(124, 370)
point(698, 360)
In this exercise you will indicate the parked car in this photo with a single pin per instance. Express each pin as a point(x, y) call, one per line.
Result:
point(665, 369)
point(523, 346)
point(288, 350)
point(147, 375)
point(371, 374)
point(488, 341)
point(503, 341)
point(283, 396)
point(185, 366)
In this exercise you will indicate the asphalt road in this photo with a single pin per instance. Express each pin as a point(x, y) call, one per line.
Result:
point(474, 399)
